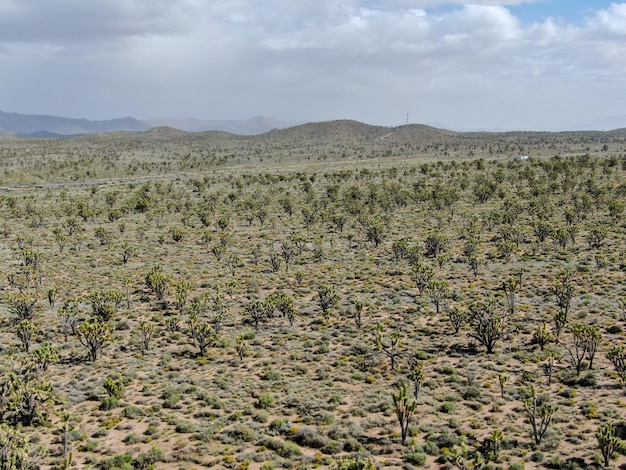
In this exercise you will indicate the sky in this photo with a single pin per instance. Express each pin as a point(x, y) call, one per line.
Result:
point(492, 64)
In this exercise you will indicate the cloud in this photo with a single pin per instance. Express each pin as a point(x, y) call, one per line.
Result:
point(373, 60)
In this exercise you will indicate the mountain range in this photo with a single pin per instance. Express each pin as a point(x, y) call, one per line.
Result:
point(28, 125)
point(48, 126)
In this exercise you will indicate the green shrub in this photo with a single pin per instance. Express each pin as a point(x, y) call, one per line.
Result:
point(310, 437)
point(132, 439)
point(109, 403)
point(266, 400)
point(240, 433)
point(415, 458)
point(131, 412)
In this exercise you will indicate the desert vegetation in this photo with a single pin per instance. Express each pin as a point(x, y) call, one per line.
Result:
point(322, 297)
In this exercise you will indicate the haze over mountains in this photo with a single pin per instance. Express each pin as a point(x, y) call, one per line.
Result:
point(25, 125)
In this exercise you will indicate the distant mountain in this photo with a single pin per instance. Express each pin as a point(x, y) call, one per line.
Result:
point(44, 125)
point(252, 126)
point(604, 124)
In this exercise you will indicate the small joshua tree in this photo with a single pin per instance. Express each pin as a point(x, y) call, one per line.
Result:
point(539, 414)
point(510, 287)
point(608, 442)
point(617, 356)
point(241, 346)
point(146, 332)
point(327, 298)
point(25, 333)
point(542, 336)
point(438, 291)
point(421, 275)
point(359, 306)
point(114, 387)
point(388, 345)
point(416, 374)
point(404, 409)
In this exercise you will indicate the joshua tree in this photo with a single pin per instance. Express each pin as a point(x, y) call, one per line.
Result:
point(241, 346)
point(52, 296)
point(181, 290)
point(510, 287)
point(67, 426)
point(608, 443)
point(105, 303)
point(586, 340)
point(45, 355)
point(274, 260)
point(542, 336)
point(23, 306)
point(617, 356)
point(539, 414)
point(488, 323)
point(258, 311)
point(502, 380)
point(202, 333)
point(327, 298)
point(94, 334)
point(421, 274)
point(457, 317)
point(563, 290)
point(158, 282)
point(68, 314)
point(25, 333)
point(416, 374)
point(404, 408)
point(359, 306)
point(146, 331)
point(284, 303)
point(435, 244)
point(375, 232)
point(438, 291)
point(389, 346)
point(114, 387)
point(288, 252)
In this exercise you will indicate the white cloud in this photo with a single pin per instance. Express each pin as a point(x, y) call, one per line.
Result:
point(372, 60)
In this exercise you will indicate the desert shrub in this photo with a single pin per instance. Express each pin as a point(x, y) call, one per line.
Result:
point(415, 458)
point(471, 392)
point(447, 407)
point(109, 403)
point(185, 427)
point(287, 449)
point(210, 400)
point(271, 375)
point(446, 441)
point(333, 447)
point(431, 448)
point(279, 426)
point(171, 396)
point(354, 463)
point(122, 462)
point(148, 459)
point(132, 439)
point(310, 437)
point(238, 434)
point(131, 411)
point(266, 400)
